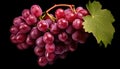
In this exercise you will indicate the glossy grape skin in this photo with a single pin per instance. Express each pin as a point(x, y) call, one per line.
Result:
point(50, 48)
point(42, 26)
point(20, 38)
point(36, 10)
point(31, 20)
point(77, 24)
point(42, 61)
point(24, 28)
point(62, 23)
point(50, 56)
point(48, 38)
point(59, 13)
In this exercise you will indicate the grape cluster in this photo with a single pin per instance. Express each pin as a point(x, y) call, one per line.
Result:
point(50, 39)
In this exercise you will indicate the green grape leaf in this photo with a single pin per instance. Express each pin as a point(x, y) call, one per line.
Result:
point(99, 23)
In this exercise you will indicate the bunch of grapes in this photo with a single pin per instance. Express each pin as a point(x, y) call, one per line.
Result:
point(51, 36)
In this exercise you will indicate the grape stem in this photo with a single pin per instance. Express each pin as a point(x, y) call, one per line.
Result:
point(58, 5)
point(72, 7)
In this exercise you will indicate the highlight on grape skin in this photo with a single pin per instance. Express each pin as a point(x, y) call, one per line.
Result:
point(49, 37)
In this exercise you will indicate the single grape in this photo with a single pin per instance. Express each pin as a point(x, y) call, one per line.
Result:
point(29, 40)
point(77, 24)
point(59, 13)
point(39, 51)
point(54, 28)
point(69, 15)
point(50, 56)
point(31, 20)
point(48, 38)
point(35, 33)
point(42, 61)
point(25, 13)
point(20, 37)
point(63, 36)
point(50, 47)
point(79, 15)
point(62, 23)
point(84, 12)
point(14, 30)
point(13, 38)
point(70, 29)
point(24, 28)
point(40, 42)
point(42, 26)
point(17, 21)
point(76, 36)
point(78, 9)
point(36, 10)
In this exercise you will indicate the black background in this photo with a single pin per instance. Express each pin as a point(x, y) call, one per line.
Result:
point(87, 55)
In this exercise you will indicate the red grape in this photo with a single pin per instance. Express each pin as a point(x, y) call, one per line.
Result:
point(51, 36)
